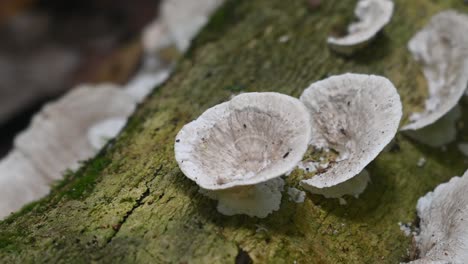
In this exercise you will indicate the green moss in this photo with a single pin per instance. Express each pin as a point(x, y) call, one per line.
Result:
point(132, 204)
point(235, 88)
point(84, 181)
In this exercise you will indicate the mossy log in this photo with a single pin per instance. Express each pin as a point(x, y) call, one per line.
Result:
point(132, 204)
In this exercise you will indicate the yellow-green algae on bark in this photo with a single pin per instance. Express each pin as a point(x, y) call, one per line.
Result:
point(131, 204)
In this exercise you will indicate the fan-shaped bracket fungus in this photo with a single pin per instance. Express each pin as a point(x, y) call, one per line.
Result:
point(63, 133)
point(373, 15)
point(239, 148)
point(442, 49)
point(356, 115)
point(20, 183)
point(443, 233)
point(57, 138)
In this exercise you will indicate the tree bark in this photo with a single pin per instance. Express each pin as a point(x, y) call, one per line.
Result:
point(132, 204)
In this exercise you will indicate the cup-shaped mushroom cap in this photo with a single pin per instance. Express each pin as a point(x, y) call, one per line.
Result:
point(373, 15)
point(357, 115)
point(57, 137)
point(250, 139)
point(444, 223)
point(442, 48)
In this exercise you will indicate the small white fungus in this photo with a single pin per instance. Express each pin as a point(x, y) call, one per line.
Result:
point(373, 16)
point(57, 138)
point(463, 147)
point(405, 228)
point(439, 133)
point(20, 183)
point(283, 39)
point(421, 162)
point(357, 115)
point(185, 18)
point(156, 37)
point(355, 186)
point(309, 166)
point(444, 223)
point(254, 200)
point(143, 83)
point(296, 195)
point(100, 133)
point(442, 49)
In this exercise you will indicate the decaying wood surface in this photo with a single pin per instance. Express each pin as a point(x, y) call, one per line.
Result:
point(132, 204)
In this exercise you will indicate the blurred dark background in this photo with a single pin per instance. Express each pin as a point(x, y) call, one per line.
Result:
point(49, 46)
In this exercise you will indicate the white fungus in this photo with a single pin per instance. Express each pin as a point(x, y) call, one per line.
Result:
point(421, 162)
point(296, 195)
point(440, 133)
point(442, 49)
point(283, 39)
point(463, 147)
point(254, 200)
point(405, 228)
point(249, 140)
point(57, 138)
point(100, 133)
point(373, 15)
point(144, 82)
point(184, 18)
point(261, 228)
point(309, 166)
point(78, 125)
point(355, 186)
point(444, 223)
point(177, 25)
point(155, 68)
point(357, 115)
point(156, 37)
point(20, 183)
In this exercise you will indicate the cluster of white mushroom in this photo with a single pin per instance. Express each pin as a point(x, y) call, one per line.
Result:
point(238, 150)
point(229, 150)
point(443, 236)
point(79, 124)
point(72, 129)
point(373, 16)
point(63, 133)
point(442, 49)
point(443, 52)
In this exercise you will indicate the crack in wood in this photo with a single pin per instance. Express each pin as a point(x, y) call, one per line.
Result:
point(137, 204)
